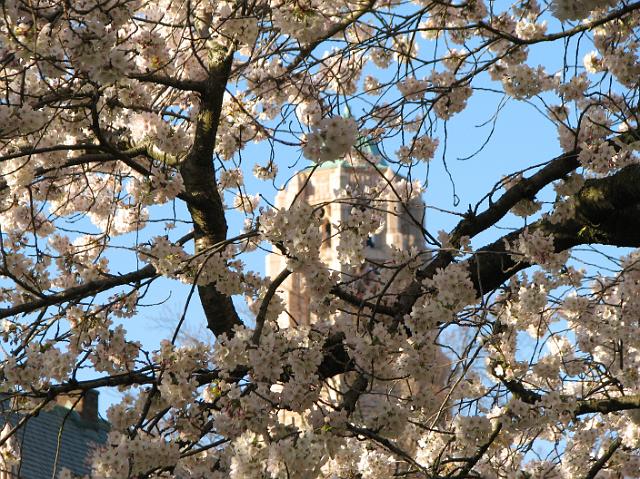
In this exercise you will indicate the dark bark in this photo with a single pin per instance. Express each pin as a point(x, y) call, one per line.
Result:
point(607, 213)
point(203, 199)
point(474, 223)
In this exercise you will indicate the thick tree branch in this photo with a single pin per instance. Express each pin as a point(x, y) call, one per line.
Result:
point(475, 224)
point(201, 193)
point(607, 212)
point(575, 407)
point(608, 405)
point(127, 157)
point(354, 300)
point(581, 231)
point(336, 359)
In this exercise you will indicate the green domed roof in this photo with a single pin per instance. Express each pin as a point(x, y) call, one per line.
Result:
point(369, 147)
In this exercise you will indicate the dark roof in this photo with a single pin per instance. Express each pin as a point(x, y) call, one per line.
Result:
point(38, 442)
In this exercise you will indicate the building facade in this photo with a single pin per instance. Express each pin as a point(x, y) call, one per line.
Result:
point(322, 187)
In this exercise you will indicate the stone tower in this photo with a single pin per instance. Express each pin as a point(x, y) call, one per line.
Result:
point(322, 185)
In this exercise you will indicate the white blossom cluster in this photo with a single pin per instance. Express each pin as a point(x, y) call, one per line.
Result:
point(304, 21)
point(602, 158)
point(422, 148)
point(128, 456)
point(522, 81)
point(451, 96)
point(40, 366)
point(538, 247)
point(413, 89)
point(331, 139)
point(361, 221)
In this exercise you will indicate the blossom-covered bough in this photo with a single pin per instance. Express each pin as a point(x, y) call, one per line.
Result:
point(127, 129)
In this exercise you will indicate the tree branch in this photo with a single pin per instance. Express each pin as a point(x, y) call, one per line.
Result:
point(471, 462)
point(607, 211)
point(201, 193)
point(602, 461)
point(475, 224)
point(78, 292)
point(264, 306)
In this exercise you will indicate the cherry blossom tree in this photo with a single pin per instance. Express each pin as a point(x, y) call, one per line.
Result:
point(125, 132)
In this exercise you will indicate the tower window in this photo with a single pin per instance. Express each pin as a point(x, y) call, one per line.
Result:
point(326, 233)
